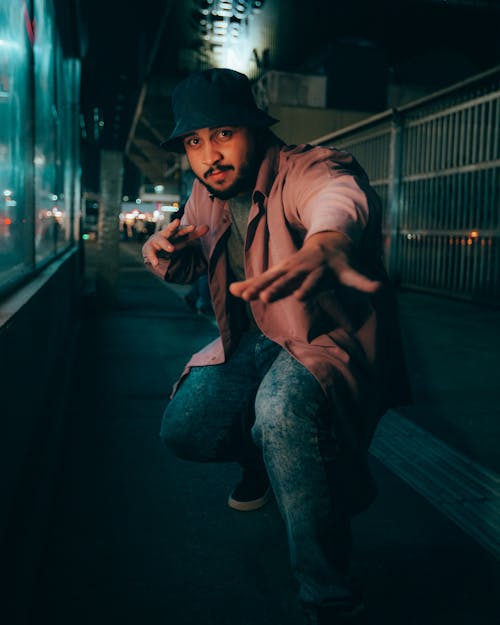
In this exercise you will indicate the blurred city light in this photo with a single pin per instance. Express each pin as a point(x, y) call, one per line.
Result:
point(226, 30)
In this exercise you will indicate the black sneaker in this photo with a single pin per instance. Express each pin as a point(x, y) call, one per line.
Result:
point(251, 493)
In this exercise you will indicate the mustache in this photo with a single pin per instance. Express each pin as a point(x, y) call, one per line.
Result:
point(210, 171)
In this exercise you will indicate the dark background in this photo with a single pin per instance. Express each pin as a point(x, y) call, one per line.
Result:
point(361, 45)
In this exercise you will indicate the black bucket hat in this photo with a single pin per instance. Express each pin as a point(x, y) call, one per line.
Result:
point(210, 98)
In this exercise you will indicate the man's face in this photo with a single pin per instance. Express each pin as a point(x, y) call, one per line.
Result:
point(224, 159)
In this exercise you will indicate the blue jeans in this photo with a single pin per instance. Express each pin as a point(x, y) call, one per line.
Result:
point(263, 403)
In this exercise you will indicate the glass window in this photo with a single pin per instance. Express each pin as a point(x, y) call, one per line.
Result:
point(39, 140)
point(47, 211)
point(61, 212)
point(71, 147)
point(15, 151)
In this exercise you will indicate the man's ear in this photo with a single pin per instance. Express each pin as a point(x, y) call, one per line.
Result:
point(262, 137)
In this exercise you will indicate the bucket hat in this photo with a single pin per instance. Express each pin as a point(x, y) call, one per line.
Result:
point(210, 98)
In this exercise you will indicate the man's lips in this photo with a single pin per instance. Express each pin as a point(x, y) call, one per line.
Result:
point(217, 174)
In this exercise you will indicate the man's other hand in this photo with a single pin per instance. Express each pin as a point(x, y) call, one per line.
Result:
point(171, 239)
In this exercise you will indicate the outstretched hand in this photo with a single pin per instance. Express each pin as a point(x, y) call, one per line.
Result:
point(321, 264)
point(171, 239)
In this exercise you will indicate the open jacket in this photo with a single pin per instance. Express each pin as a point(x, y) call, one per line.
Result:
point(349, 341)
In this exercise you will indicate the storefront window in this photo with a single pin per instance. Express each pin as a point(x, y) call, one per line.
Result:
point(15, 107)
point(47, 200)
point(71, 148)
point(39, 140)
point(61, 165)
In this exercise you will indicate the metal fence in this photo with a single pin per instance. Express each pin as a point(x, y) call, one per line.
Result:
point(436, 165)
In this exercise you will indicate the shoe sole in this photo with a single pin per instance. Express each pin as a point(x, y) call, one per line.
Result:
point(247, 506)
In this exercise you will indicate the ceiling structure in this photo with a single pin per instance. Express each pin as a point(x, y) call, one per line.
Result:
point(135, 53)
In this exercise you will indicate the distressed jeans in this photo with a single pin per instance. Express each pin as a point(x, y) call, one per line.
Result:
point(263, 403)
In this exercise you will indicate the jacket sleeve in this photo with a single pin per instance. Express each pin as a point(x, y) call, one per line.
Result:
point(185, 266)
point(324, 192)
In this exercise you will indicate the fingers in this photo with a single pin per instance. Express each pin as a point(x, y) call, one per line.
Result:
point(237, 288)
point(170, 228)
point(281, 287)
point(301, 282)
point(153, 246)
point(301, 286)
point(310, 285)
point(171, 239)
point(197, 232)
point(304, 268)
point(352, 278)
point(270, 288)
point(253, 288)
point(185, 235)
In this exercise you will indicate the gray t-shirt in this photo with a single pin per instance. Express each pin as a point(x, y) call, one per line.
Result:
point(239, 207)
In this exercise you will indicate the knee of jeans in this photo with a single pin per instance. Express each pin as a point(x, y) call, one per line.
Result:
point(265, 422)
point(178, 441)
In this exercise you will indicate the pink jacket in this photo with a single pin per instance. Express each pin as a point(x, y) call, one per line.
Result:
point(348, 340)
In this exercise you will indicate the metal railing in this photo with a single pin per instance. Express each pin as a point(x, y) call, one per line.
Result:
point(436, 165)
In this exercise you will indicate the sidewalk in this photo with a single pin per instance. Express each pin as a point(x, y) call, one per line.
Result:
point(452, 350)
point(140, 537)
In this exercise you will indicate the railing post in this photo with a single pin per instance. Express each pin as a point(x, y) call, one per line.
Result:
point(393, 243)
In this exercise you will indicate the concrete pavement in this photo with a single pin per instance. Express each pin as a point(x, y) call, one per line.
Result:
point(139, 536)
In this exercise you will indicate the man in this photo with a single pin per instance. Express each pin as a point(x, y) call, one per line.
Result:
point(309, 355)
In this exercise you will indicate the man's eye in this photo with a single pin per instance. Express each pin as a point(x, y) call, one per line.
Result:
point(225, 134)
point(192, 141)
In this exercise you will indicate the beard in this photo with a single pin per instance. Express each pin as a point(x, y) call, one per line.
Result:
point(245, 180)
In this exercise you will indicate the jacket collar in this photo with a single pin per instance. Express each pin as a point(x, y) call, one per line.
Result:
point(268, 171)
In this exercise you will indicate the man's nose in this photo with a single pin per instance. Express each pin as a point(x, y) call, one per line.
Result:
point(211, 154)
